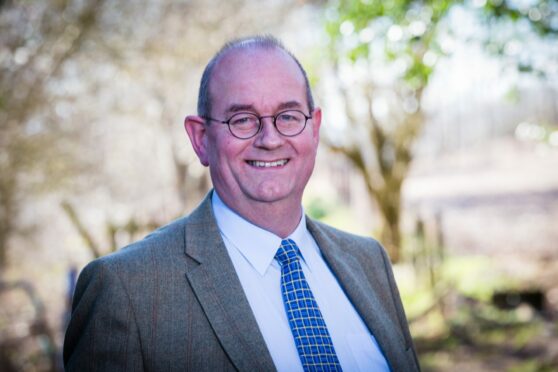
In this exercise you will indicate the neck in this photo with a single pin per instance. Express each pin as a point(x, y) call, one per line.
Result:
point(280, 218)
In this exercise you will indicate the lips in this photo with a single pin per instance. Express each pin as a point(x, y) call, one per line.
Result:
point(267, 164)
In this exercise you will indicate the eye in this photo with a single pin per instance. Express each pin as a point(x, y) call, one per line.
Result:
point(289, 117)
point(243, 119)
point(286, 117)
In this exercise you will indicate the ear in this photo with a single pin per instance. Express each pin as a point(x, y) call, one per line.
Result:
point(195, 127)
point(316, 123)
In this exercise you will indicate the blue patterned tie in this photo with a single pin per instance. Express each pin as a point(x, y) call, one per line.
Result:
point(310, 333)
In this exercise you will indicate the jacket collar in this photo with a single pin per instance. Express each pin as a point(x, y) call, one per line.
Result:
point(372, 305)
point(215, 283)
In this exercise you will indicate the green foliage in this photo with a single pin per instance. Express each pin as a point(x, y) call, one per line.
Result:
point(533, 365)
point(473, 276)
point(416, 299)
point(404, 28)
point(541, 14)
point(455, 322)
point(318, 209)
point(417, 75)
point(409, 29)
point(397, 44)
point(360, 51)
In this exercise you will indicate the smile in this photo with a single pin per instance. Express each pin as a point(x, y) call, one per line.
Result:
point(267, 164)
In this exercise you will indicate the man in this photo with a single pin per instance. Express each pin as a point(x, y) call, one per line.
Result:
point(246, 282)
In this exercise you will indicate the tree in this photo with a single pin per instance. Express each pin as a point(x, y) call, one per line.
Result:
point(391, 49)
point(155, 59)
point(51, 135)
point(36, 40)
point(81, 80)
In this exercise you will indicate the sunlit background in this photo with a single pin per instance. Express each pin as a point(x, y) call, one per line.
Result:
point(440, 138)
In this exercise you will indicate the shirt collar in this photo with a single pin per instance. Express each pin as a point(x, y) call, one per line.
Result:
point(258, 246)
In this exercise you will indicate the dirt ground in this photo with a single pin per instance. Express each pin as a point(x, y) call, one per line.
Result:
point(499, 200)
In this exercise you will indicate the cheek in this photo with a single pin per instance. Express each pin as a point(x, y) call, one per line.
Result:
point(310, 157)
point(308, 147)
point(219, 148)
point(227, 144)
point(226, 154)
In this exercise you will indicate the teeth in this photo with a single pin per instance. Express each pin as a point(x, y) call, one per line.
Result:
point(266, 164)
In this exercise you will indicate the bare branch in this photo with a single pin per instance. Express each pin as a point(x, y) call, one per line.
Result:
point(81, 229)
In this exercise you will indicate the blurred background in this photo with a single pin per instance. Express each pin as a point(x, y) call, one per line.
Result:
point(440, 138)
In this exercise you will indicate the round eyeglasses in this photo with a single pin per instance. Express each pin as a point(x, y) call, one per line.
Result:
point(245, 125)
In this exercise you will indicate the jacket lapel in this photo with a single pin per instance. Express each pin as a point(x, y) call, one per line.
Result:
point(370, 304)
point(213, 279)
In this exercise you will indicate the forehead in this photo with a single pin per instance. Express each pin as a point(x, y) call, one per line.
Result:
point(256, 75)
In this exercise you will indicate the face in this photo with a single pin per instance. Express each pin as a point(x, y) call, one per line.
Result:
point(268, 168)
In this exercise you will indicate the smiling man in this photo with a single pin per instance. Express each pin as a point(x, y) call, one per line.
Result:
point(247, 281)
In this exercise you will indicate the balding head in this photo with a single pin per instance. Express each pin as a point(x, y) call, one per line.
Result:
point(255, 42)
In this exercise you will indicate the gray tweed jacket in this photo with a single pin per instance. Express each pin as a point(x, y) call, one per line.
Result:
point(173, 302)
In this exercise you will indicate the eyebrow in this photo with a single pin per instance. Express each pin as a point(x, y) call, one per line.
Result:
point(282, 106)
point(238, 107)
point(289, 105)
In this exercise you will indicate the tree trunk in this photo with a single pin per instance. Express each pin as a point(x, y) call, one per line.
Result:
point(389, 203)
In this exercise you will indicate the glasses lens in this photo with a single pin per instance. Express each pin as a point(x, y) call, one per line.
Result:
point(290, 123)
point(244, 125)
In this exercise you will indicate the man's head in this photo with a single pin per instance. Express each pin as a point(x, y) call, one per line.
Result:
point(255, 76)
point(259, 42)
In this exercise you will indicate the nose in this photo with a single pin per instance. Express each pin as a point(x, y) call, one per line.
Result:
point(268, 137)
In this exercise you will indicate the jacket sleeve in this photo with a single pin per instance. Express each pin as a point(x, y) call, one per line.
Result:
point(102, 334)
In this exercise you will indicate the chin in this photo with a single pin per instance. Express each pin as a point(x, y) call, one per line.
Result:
point(270, 195)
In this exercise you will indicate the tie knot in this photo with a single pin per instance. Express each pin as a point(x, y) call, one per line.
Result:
point(287, 252)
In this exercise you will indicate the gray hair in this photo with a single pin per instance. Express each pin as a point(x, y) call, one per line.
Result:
point(259, 42)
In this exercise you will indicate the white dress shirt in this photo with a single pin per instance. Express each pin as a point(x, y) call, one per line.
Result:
point(252, 251)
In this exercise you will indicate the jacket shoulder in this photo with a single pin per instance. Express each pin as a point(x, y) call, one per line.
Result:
point(350, 242)
point(160, 251)
point(160, 242)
